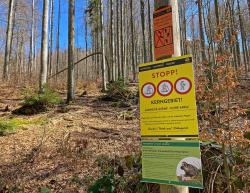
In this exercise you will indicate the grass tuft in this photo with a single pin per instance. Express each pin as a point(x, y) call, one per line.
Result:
point(9, 126)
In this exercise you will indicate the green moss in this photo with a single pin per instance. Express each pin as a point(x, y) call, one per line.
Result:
point(44, 190)
point(8, 126)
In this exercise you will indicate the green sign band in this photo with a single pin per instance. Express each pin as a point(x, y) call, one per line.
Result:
point(192, 185)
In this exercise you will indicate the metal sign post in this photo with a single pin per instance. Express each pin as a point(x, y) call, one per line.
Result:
point(177, 52)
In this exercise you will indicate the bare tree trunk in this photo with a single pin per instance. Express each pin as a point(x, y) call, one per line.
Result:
point(104, 80)
point(86, 41)
point(44, 51)
point(243, 38)
point(51, 35)
point(150, 33)
point(71, 46)
point(8, 40)
point(183, 27)
point(202, 38)
point(121, 39)
point(111, 39)
point(234, 48)
point(143, 30)
point(13, 27)
point(31, 54)
point(117, 40)
point(132, 40)
point(248, 2)
point(58, 37)
point(216, 6)
point(97, 47)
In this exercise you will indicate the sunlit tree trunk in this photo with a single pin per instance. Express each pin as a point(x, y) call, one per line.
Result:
point(121, 40)
point(243, 37)
point(104, 80)
point(71, 46)
point(111, 48)
point(132, 40)
point(118, 40)
point(58, 37)
point(31, 54)
point(201, 33)
point(44, 51)
point(8, 39)
point(86, 41)
point(51, 35)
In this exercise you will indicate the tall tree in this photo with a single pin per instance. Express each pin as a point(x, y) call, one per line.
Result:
point(104, 80)
point(202, 38)
point(132, 39)
point(86, 40)
point(44, 42)
point(111, 48)
point(32, 38)
point(143, 30)
point(216, 6)
point(9, 33)
point(51, 35)
point(243, 37)
point(183, 27)
point(71, 32)
point(217, 16)
point(117, 40)
point(121, 40)
point(58, 36)
point(248, 2)
point(150, 32)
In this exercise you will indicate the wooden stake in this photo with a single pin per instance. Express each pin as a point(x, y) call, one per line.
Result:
point(177, 52)
point(173, 189)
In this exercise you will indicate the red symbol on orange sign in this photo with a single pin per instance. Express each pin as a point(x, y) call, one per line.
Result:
point(163, 37)
point(163, 33)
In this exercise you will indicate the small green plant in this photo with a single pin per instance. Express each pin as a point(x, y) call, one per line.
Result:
point(8, 126)
point(47, 98)
point(44, 190)
point(38, 102)
point(119, 175)
point(104, 184)
point(119, 91)
point(77, 180)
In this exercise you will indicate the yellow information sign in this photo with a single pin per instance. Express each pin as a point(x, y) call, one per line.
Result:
point(167, 98)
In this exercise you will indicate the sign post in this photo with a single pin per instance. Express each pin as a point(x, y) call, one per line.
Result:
point(169, 126)
point(177, 52)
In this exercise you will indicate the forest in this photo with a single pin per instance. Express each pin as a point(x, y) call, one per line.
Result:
point(70, 118)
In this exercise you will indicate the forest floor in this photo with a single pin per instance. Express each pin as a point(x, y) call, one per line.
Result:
point(56, 148)
point(60, 149)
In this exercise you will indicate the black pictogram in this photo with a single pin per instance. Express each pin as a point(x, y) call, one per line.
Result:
point(163, 37)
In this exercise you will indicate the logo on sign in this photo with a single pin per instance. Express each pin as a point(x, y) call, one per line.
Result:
point(183, 85)
point(148, 90)
point(165, 88)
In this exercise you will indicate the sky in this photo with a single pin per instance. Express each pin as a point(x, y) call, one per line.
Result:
point(79, 23)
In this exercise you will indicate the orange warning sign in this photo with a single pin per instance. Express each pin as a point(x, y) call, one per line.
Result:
point(163, 33)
